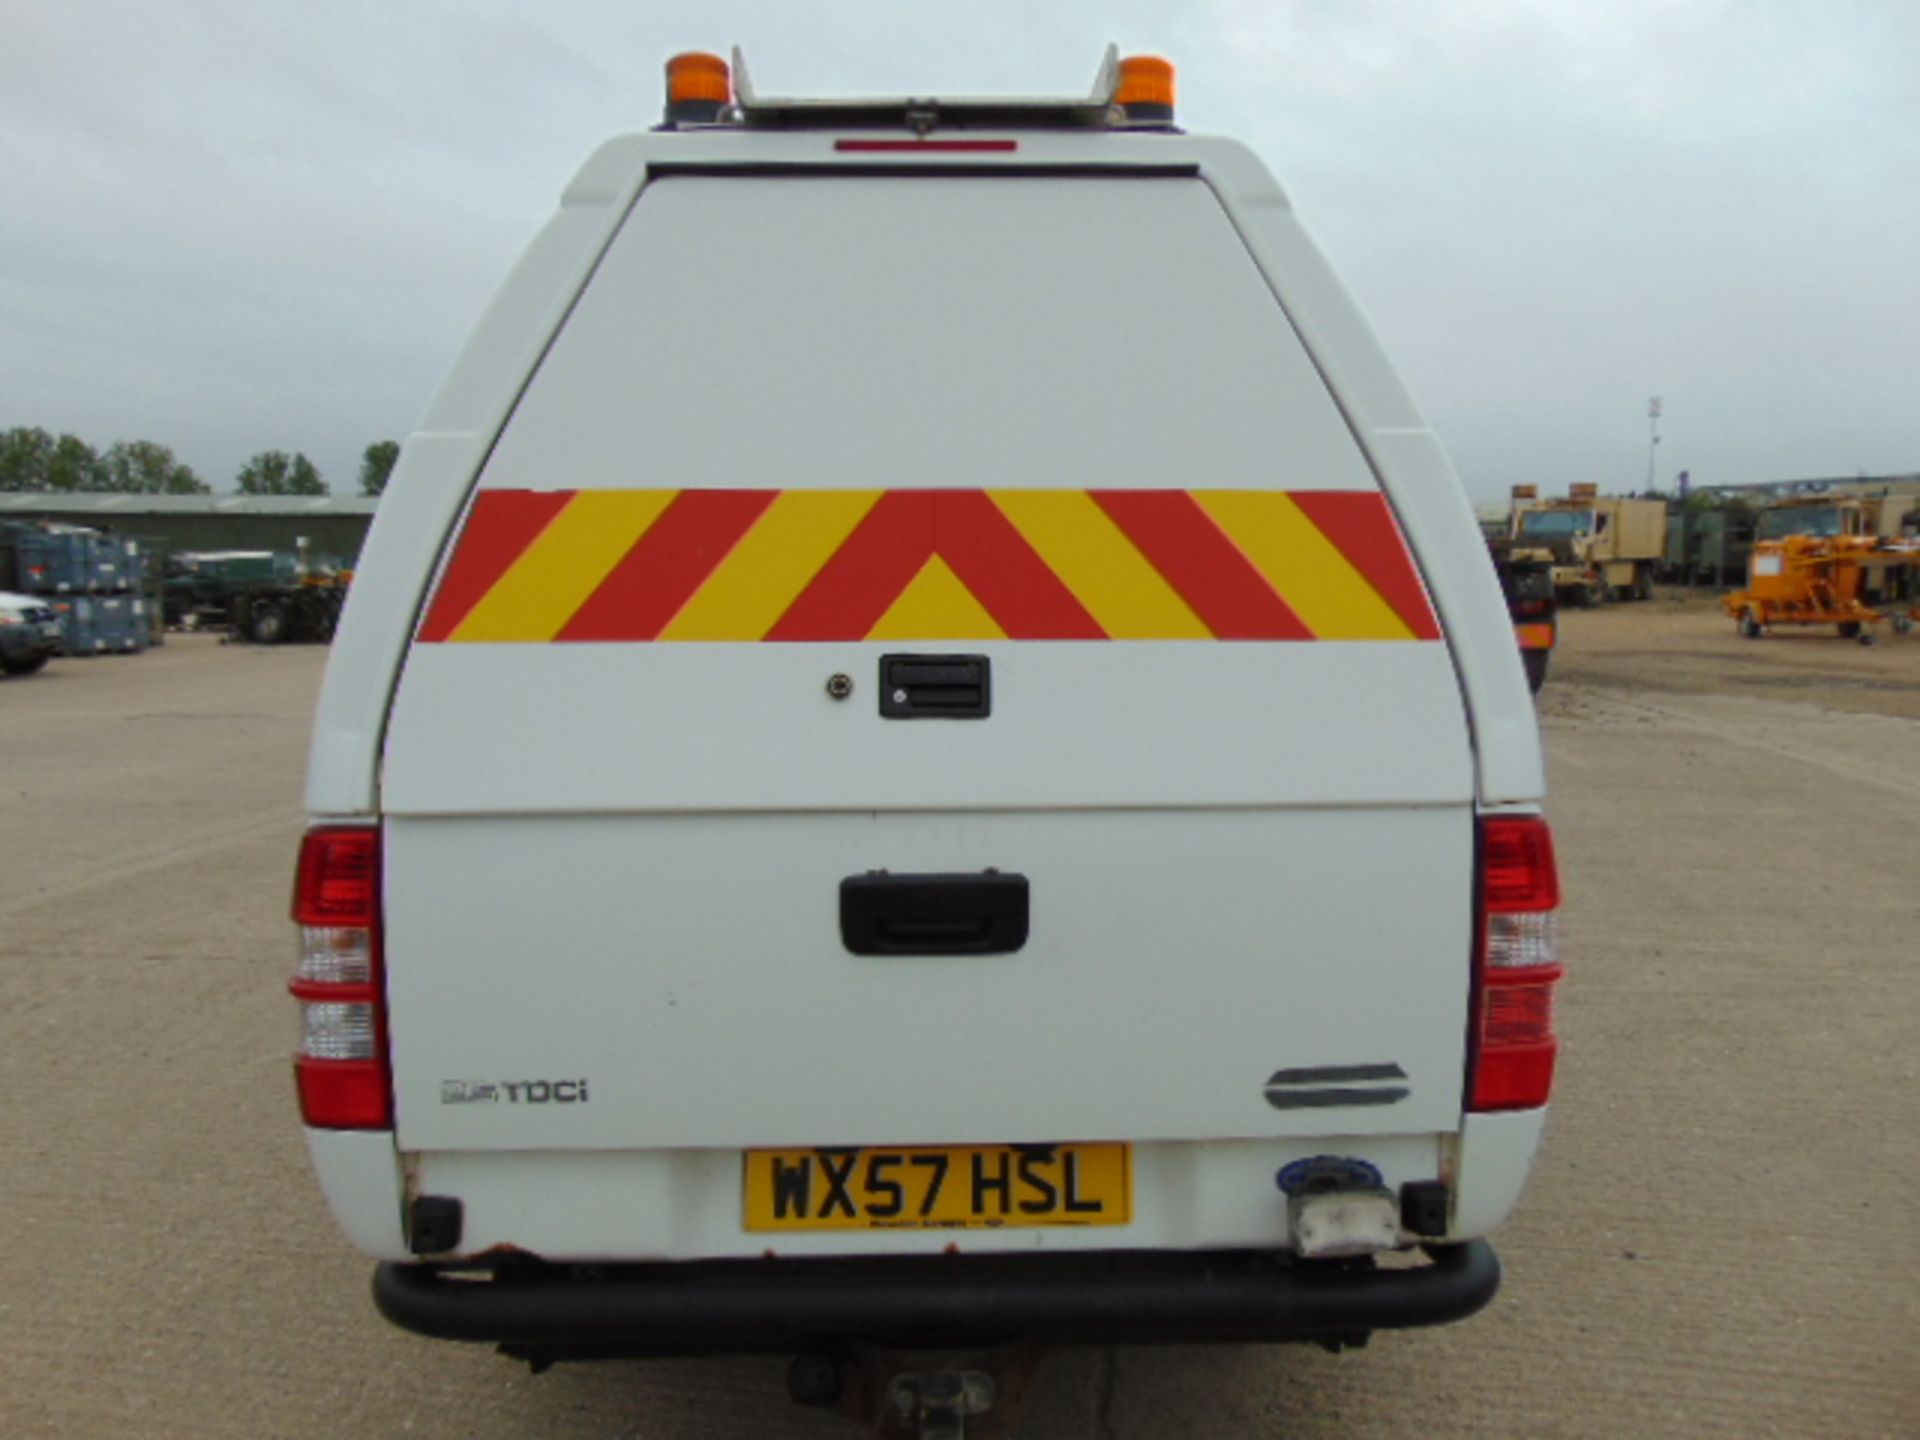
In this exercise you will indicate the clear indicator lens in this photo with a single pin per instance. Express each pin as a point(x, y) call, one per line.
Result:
point(1522, 940)
point(335, 955)
point(335, 1031)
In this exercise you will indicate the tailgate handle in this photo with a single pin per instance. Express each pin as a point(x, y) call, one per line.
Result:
point(925, 687)
point(970, 914)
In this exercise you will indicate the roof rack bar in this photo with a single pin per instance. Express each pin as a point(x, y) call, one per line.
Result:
point(923, 114)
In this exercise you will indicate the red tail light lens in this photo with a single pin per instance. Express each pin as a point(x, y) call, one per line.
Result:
point(1518, 1015)
point(339, 877)
point(340, 1068)
point(1517, 870)
point(1518, 966)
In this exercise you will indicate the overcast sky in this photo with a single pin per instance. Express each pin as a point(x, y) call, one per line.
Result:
point(233, 225)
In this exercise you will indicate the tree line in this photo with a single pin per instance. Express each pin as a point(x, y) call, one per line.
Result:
point(33, 460)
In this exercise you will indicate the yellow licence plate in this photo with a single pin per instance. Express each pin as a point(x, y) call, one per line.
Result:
point(967, 1187)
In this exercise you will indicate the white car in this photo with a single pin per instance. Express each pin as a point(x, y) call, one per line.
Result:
point(924, 752)
point(30, 633)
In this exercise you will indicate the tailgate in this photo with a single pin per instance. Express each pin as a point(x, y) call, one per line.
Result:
point(688, 976)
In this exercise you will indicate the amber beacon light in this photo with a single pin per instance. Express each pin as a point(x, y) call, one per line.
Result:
point(1145, 90)
point(699, 87)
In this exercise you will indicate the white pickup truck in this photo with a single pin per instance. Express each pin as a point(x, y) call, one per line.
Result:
point(924, 752)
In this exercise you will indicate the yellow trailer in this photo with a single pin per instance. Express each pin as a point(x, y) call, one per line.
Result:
point(1841, 580)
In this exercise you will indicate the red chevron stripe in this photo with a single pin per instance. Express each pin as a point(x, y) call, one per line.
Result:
point(500, 527)
point(1362, 527)
point(667, 565)
point(1005, 573)
point(1195, 556)
point(866, 574)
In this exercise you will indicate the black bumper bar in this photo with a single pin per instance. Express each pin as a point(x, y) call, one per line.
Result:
point(778, 1306)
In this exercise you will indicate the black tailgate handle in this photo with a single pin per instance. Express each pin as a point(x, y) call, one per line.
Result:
point(969, 914)
point(938, 687)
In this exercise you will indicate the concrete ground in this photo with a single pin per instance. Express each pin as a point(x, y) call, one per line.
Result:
point(1719, 1241)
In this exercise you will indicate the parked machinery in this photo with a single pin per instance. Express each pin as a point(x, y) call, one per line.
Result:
point(1601, 547)
point(200, 584)
point(307, 609)
point(1846, 561)
point(263, 596)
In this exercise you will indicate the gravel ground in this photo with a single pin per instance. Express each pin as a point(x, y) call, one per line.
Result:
point(1712, 1245)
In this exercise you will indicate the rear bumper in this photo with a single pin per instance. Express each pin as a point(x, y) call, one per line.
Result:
point(778, 1306)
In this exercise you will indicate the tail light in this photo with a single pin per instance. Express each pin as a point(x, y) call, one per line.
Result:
point(1518, 966)
point(341, 1066)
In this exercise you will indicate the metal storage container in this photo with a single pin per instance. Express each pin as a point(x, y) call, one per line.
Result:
point(102, 624)
point(120, 623)
point(39, 561)
point(78, 623)
point(51, 562)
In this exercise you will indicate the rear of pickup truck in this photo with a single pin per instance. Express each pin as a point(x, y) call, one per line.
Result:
point(923, 751)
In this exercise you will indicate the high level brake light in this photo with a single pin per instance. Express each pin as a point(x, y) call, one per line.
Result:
point(340, 1068)
point(1518, 966)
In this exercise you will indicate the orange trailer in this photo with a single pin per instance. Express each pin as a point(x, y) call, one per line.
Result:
point(1841, 580)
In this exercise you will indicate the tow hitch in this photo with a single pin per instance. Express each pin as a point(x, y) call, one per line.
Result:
point(926, 1395)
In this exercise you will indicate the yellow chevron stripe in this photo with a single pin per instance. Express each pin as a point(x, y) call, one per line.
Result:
point(772, 564)
point(935, 605)
point(1095, 560)
point(561, 569)
point(1310, 573)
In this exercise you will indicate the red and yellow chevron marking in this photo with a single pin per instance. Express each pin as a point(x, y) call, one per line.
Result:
point(796, 565)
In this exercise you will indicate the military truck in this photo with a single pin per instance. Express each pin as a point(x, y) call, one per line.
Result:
point(1827, 516)
point(1601, 547)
